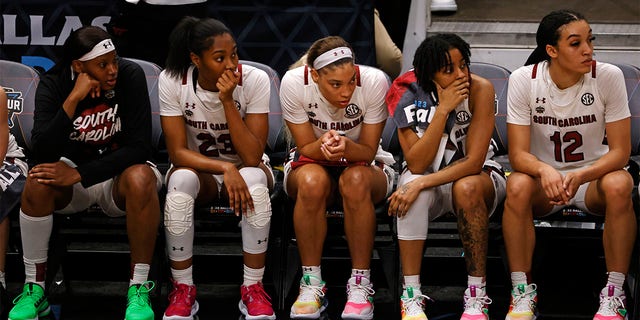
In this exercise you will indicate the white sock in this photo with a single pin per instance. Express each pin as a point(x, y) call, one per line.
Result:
point(518, 278)
point(184, 276)
point(252, 276)
point(478, 282)
point(366, 273)
point(140, 273)
point(411, 282)
point(616, 279)
point(315, 272)
point(35, 234)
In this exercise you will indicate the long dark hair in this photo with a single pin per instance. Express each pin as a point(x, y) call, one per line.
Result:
point(433, 55)
point(80, 42)
point(549, 32)
point(191, 35)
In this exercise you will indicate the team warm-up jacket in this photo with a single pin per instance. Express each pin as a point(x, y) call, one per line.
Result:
point(105, 136)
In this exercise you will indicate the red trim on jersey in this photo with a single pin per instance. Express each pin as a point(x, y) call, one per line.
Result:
point(240, 72)
point(306, 75)
point(534, 72)
point(358, 75)
point(398, 89)
point(593, 69)
point(184, 78)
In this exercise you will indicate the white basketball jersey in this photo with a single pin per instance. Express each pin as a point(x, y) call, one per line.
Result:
point(205, 121)
point(302, 102)
point(568, 126)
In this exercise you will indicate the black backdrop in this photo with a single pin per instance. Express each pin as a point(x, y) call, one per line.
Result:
point(273, 32)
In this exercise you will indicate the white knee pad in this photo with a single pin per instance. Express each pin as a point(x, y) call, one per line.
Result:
point(178, 212)
point(256, 181)
point(261, 214)
point(414, 225)
point(255, 224)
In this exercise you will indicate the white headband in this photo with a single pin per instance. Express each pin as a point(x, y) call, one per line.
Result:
point(104, 46)
point(331, 56)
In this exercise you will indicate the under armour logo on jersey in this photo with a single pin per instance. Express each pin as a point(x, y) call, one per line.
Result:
point(543, 100)
point(177, 249)
point(313, 105)
point(262, 241)
point(188, 105)
point(587, 99)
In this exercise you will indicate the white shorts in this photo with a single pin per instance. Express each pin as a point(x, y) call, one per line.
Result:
point(444, 202)
point(219, 178)
point(100, 194)
point(577, 201)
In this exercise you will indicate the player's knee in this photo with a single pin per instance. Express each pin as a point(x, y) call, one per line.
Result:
point(520, 185)
point(355, 182)
point(468, 192)
point(313, 188)
point(139, 180)
point(261, 215)
point(617, 185)
point(178, 212)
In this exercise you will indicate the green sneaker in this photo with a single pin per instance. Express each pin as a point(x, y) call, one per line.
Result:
point(138, 304)
point(30, 304)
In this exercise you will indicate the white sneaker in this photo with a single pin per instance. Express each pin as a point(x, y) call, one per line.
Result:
point(311, 301)
point(524, 299)
point(612, 307)
point(359, 299)
point(476, 304)
point(444, 5)
point(412, 304)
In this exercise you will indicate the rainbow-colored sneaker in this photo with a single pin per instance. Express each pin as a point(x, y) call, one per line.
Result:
point(412, 304)
point(359, 304)
point(476, 304)
point(612, 307)
point(524, 299)
point(311, 299)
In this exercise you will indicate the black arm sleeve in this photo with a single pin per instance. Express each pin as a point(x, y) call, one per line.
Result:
point(51, 126)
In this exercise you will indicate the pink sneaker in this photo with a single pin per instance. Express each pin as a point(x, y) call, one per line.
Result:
point(612, 302)
point(476, 304)
point(255, 303)
point(359, 299)
point(182, 303)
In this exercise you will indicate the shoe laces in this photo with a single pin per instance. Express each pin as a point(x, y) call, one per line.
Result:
point(27, 293)
point(523, 301)
point(414, 304)
point(256, 293)
point(181, 293)
point(476, 303)
point(359, 293)
point(610, 305)
point(309, 292)
point(141, 298)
